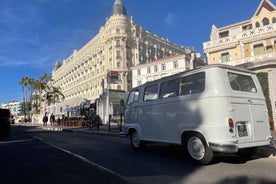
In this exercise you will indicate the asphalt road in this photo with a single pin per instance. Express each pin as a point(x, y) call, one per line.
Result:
point(63, 157)
point(26, 159)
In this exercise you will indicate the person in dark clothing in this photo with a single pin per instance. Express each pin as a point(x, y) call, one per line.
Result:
point(58, 121)
point(52, 119)
point(45, 119)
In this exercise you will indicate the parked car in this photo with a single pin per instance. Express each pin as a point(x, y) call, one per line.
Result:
point(5, 122)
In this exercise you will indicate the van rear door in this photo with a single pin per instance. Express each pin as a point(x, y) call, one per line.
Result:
point(248, 107)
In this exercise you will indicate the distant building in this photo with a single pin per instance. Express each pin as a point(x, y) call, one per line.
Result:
point(119, 45)
point(249, 44)
point(14, 106)
point(165, 66)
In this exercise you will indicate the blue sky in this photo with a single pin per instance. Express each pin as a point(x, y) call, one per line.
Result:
point(36, 33)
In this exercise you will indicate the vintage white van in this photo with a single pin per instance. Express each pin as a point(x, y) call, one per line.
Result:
point(216, 108)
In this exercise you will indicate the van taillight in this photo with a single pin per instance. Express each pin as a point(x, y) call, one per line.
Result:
point(231, 123)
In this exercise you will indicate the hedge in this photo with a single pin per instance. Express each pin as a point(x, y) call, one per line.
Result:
point(263, 78)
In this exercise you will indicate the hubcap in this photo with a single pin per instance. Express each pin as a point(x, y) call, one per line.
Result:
point(135, 139)
point(196, 148)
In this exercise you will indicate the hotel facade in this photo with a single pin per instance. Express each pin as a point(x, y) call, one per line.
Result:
point(119, 45)
point(250, 44)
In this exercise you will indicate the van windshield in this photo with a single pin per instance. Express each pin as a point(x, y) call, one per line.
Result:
point(241, 82)
point(133, 97)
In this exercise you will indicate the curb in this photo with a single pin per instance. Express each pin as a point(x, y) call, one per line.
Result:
point(94, 132)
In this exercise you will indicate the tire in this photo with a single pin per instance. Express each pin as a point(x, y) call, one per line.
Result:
point(135, 141)
point(198, 150)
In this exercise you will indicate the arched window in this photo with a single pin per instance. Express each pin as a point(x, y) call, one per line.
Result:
point(118, 43)
point(274, 20)
point(265, 21)
point(257, 24)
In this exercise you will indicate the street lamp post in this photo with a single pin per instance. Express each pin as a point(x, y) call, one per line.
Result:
point(107, 98)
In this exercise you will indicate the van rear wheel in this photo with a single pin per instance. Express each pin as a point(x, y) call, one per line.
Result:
point(135, 141)
point(198, 150)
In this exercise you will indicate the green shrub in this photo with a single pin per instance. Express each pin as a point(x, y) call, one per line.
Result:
point(263, 78)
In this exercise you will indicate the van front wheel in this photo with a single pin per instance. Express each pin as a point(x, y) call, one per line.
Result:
point(135, 141)
point(198, 149)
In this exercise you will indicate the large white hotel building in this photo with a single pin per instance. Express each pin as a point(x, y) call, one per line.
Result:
point(119, 45)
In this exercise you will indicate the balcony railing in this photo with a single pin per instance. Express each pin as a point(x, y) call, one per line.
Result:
point(243, 35)
point(255, 59)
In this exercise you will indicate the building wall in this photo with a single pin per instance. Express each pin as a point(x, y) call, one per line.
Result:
point(119, 45)
point(160, 68)
point(250, 44)
point(15, 107)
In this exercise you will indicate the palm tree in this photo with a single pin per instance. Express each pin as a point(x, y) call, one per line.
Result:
point(38, 91)
point(42, 85)
point(24, 82)
point(55, 95)
point(29, 93)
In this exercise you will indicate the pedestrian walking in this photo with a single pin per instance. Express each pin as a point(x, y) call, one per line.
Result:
point(45, 119)
point(58, 121)
point(52, 119)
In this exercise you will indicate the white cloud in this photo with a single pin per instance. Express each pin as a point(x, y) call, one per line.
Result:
point(170, 18)
point(4, 62)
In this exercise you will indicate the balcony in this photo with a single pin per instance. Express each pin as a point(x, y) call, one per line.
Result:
point(254, 59)
point(260, 32)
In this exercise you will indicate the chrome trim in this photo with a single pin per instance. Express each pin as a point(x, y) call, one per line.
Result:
point(225, 148)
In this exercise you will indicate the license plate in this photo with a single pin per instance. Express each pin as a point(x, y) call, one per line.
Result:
point(242, 130)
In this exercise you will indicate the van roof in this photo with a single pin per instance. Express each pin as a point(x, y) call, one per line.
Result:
point(202, 68)
point(224, 66)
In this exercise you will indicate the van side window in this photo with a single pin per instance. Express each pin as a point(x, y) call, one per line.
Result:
point(151, 93)
point(133, 97)
point(169, 89)
point(192, 84)
point(241, 82)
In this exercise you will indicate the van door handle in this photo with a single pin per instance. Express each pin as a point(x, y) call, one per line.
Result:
point(250, 101)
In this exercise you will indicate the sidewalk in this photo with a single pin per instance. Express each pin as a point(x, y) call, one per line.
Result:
point(113, 131)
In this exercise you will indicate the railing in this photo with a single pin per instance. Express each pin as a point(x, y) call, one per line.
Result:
point(254, 59)
point(243, 35)
point(75, 123)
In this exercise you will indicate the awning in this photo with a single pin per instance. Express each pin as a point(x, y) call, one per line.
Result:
point(71, 109)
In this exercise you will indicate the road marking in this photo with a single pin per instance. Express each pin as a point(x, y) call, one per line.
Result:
point(82, 158)
point(16, 141)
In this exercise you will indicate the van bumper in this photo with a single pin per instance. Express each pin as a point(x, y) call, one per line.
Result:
point(233, 148)
point(225, 148)
point(124, 131)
